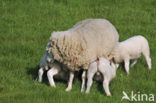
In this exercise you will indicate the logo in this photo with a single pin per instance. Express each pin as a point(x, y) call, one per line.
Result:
point(137, 97)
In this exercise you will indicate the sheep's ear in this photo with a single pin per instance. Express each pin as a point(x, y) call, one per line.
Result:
point(52, 43)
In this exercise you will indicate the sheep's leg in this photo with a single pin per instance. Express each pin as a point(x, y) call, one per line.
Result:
point(89, 82)
point(106, 86)
point(148, 60)
point(134, 62)
point(83, 81)
point(127, 65)
point(71, 77)
point(50, 75)
point(40, 74)
point(90, 76)
point(106, 79)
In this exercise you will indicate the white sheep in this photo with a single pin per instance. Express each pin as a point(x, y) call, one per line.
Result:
point(108, 71)
point(131, 49)
point(84, 42)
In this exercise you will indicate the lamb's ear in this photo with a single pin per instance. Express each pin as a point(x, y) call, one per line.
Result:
point(110, 57)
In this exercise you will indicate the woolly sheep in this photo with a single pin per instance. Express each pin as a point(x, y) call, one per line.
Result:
point(131, 49)
point(84, 42)
point(108, 71)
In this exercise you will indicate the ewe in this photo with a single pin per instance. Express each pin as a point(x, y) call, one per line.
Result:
point(84, 42)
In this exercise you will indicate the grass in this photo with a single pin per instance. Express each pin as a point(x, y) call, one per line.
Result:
point(25, 28)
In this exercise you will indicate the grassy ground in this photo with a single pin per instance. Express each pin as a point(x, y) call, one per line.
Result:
point(25, 28)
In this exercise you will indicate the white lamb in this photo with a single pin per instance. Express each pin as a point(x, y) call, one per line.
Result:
point(108, 71)
point(56, 69)
point(45, 64)
point(131, 49)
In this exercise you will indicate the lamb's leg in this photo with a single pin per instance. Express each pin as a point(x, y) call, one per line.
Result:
point(134, 62)
point(71, 77)
point(50, 75)
point(90, 74)
point(127, 65)
point(83, 81)
point(40, 74)
point(106, 77)
point(89, 82)
point(106, 86)
point(148, 60)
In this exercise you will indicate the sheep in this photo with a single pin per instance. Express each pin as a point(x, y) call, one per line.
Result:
point(131, 49)
point(45, 63)
point(84, 42)
point(108, 71)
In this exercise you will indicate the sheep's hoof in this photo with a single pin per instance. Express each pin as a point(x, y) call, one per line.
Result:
point(127, 73)
point(109, 95)
point(37, 79)
point(53, 86)
point(68, 89)
point(149, 69)
point(82, 90)
point(87, 92)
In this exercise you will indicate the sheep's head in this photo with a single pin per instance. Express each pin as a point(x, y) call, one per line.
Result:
point(50, 57)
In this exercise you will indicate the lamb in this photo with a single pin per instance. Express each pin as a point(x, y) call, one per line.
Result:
point(83, 43)
point(108, 71)
point(131, 49)
point(46, 62)
point(56, 69)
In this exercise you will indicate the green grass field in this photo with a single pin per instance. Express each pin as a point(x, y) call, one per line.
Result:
point(25, 28)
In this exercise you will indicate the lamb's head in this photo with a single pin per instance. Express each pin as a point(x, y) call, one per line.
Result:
point(111, 58)
point(50, 57)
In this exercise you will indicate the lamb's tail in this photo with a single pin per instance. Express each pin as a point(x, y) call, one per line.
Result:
point(98, 63)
